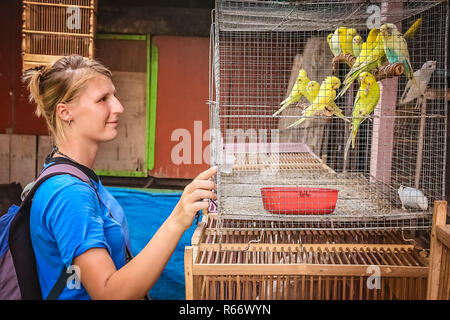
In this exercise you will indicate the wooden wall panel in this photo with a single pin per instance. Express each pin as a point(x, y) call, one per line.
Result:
point(126, 154)
point(4, 158)
point(127, 151)
point(44, 148)
point(6, 70)
point(181, 100)
point(23, 159)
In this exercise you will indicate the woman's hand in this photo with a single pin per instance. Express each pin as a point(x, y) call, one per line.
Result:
point(191, 199)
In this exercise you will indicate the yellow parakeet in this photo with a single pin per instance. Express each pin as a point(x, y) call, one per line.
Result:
point(372, 56)
point(324, 100)
point(297, 91)
point(365, 103)
point(367, 47)
point(357, 45)
point(333, 43)
point(332, 108)
point(411, 32)
point(312, 89)
point(346, 36)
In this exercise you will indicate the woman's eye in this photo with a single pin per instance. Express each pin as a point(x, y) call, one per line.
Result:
point(102, 99)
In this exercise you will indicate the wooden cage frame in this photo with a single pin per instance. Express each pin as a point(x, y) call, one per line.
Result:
point(46, 35)
point(211, 273)
point(438, 287)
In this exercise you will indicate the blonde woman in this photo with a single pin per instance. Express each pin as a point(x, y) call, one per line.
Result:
point(69, 225)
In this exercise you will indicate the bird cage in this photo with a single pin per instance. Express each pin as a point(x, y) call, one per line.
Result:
point(307, 208)
point(313, 174)
point(55, 28)
point(302, 264)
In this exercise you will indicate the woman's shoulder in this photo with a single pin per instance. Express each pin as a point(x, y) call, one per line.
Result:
point(64, 198)
point(63, 189)
point(61, 182)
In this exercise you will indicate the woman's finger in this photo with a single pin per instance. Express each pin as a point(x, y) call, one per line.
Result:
point(202, 194)
point(200, 205)
point(204, 184)
point(205, 175)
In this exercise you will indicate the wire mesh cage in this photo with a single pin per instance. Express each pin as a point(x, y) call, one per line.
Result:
point(55, 28)
point(329, 114)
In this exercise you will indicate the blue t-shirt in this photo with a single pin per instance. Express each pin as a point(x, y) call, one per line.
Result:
point(66, 220)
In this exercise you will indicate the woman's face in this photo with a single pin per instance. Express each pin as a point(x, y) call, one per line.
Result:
point(95, 112)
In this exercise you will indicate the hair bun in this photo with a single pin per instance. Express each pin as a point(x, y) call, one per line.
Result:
point(39, 69)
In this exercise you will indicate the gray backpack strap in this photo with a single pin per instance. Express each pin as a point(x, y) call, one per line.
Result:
point(64, 168)
point(51, 171)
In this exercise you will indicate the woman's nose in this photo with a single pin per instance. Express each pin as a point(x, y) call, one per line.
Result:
point(117, 107)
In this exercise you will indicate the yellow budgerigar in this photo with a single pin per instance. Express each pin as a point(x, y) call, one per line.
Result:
point(312, 89)
point(333, 109)
point(346, 36)
point(365, 103)
point(325, 98)
point(367, 48)
point(297, 91)
point(411, 32)
point(333, 43)
point(372, 56)
point(357, 45)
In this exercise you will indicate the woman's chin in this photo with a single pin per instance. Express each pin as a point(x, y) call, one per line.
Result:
point(111, 135)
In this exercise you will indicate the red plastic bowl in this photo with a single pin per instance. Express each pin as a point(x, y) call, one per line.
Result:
point(299, 200)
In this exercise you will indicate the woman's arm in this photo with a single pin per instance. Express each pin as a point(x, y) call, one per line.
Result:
point(98, 273)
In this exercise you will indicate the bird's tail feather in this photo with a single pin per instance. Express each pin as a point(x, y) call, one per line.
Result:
point(415, 83)
point(347, 147)
point(284, 106)
point(296, 123)
point(347, 83)
point(353, 135)
point(405, 95)
point(338, 113)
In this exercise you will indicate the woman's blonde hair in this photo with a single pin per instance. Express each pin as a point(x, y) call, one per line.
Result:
point(60, 82)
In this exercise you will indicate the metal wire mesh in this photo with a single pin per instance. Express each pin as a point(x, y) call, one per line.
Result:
point(257, 50)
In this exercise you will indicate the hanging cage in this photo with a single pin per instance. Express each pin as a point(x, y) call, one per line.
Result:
point(55, 28)
point(280, 175)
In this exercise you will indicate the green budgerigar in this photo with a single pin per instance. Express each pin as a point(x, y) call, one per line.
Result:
point(298, 90)
point(323, 102)
point(365, 103)
point(396, 48)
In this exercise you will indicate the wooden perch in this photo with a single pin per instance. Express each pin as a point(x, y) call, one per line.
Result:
point(437, 94)
point(383, 72)
point(348, 58)
point(389, 71)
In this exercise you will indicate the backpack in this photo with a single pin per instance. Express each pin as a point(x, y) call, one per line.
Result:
point(18, 272)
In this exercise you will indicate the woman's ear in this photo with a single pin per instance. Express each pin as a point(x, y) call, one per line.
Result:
point(63, 112)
